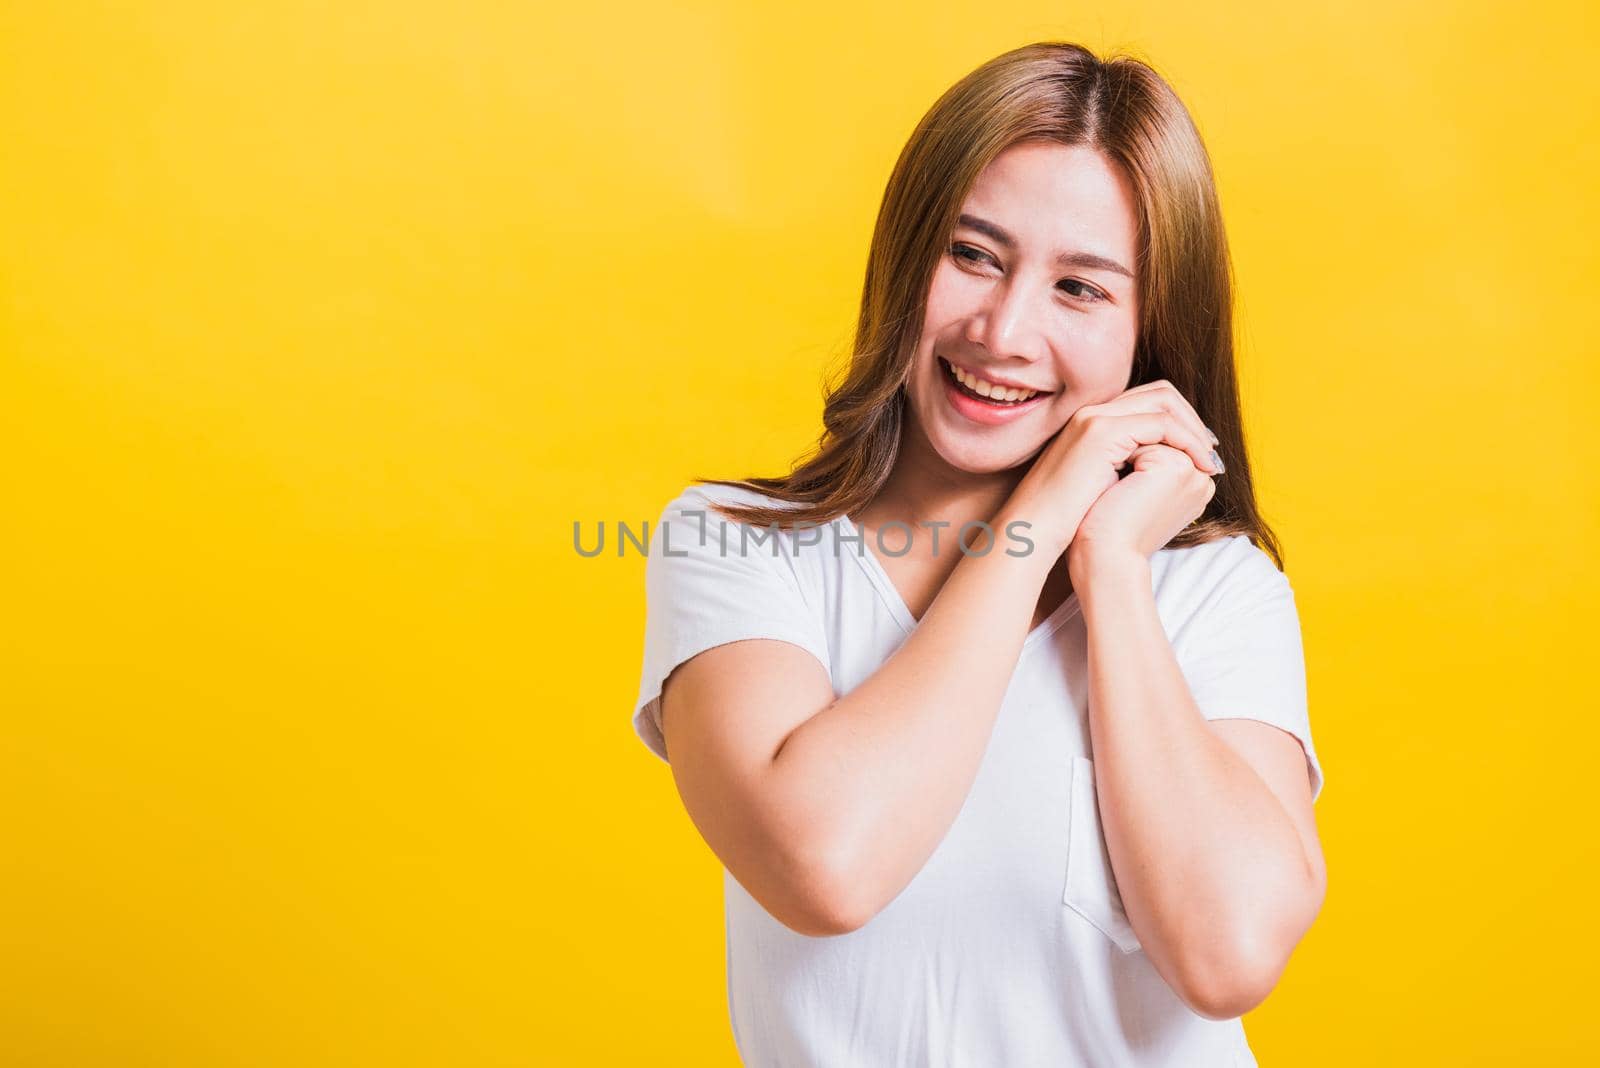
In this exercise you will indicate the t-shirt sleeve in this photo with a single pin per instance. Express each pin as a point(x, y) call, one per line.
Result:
point(1241, 651)
point(710, 581)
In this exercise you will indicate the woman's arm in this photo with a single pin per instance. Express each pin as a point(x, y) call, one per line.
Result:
point(1208, 825)
point(827, 822)
point(891, 763)
point(824, 811)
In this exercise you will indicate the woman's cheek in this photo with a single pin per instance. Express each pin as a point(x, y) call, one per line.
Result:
point(1109, 347)
point(944, 284)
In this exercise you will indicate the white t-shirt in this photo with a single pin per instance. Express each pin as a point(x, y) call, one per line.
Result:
point(1010, 947)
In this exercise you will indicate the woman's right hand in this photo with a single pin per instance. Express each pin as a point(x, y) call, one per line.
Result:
point(1083, 459)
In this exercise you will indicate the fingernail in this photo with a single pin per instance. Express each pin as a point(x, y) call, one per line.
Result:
point(1216, 461)
point(1214, 439)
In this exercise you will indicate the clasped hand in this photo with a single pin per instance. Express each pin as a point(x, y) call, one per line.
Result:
point(1075, 499)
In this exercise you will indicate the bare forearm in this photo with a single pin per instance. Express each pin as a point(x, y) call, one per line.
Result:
point(1210, 868)
point(884, 770)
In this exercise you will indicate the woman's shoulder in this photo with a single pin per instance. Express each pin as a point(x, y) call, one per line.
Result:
point(702, 494)
point(1223, 553)
point(1221, 573)
point(693, 517)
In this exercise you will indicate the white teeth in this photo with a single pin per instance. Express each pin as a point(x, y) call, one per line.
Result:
point(1004, 394)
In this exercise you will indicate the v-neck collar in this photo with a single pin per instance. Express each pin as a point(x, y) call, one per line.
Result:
point(896, 604)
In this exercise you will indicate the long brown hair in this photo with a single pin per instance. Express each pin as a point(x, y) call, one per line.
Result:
point(1063, 93)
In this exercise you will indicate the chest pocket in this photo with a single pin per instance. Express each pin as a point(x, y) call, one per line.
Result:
point(1091, 886)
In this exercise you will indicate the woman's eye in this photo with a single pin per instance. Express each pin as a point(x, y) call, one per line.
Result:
point(1088, 292)
point(960, 252)
point(1076, 289)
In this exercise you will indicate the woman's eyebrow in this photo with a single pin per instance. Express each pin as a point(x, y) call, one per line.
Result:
point(1064, 259)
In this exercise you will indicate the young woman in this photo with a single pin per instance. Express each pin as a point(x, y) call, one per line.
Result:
point(992, 709)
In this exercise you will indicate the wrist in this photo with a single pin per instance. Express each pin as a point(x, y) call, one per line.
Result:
point(1093, 569)
point(1050, 529)
point(1025, 548)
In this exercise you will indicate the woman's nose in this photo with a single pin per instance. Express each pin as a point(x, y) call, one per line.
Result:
point(1010, 324)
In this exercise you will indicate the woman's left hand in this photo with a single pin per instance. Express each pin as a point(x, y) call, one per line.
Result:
point(1148, 507)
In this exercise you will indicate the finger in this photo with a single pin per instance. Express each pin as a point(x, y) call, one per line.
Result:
point(1166, 454)
point(1131, 463)
point(1175, 402)
point(1162, 427)
point(1151, 399)
point(1166, 458)
point(1180, 406)
point(1134, 461)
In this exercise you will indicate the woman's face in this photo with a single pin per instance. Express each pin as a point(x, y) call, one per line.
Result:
point(1003, 308)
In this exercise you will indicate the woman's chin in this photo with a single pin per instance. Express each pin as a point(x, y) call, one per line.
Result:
point(978, 450)
point(985, 458)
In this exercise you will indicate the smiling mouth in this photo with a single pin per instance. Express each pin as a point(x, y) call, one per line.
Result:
point(998, 397)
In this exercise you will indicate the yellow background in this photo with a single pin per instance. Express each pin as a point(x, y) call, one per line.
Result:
point(321, 323)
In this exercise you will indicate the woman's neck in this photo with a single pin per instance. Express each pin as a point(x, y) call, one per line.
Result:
point(924, 489)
